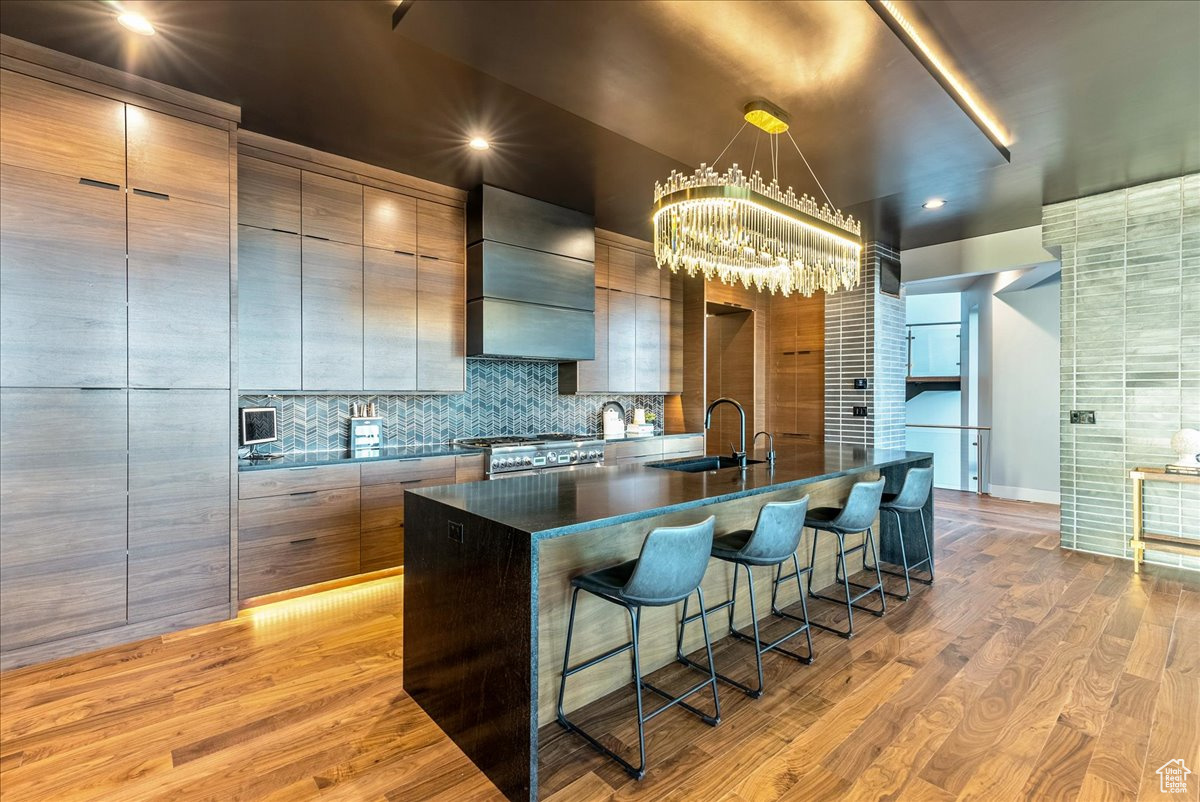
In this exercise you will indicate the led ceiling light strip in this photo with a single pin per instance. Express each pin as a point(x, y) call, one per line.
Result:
point(956, 87)
point(738, 228)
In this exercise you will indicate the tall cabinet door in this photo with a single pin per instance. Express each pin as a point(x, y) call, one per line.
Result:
point(441, 298)
point(647, 331)
point(178, 293)
point(62, 521)
point(332, 312)
point(178, 158)
point(389, 320)
point(178, 501)
point(269, 318)
point(622, 340)
point(62, 281)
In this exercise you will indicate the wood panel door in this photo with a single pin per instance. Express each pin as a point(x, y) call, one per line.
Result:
point(49, 127)
point(179, 300)
point(648, 335)
point(622, 340)
point(389, 320)
point(62, 513)
point(62, 281)
point(175, 157)
point(593, 375)
point(268, 195)
point(664, 346)
point(647, 277)
point(441, 231)
point(178, 501)
point(601, 265)
point(331, 209)
point(389, 221)
point(332, 308)
point(622, 275)
point(441, 322)
point(269, 310)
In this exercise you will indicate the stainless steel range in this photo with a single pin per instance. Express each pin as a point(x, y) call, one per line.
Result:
point(556, 451)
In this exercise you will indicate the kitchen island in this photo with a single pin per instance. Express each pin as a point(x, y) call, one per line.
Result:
point(488, 569)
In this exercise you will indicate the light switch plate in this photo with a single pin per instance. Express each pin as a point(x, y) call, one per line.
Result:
point(1083, 416)
point(860, 412)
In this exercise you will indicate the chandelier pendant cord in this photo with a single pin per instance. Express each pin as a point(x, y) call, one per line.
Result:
point(810, 171)
point(728, 146)
point(754, 155)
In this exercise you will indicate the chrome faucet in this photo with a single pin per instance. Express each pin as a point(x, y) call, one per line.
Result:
point(740, 456)
point(771, 447)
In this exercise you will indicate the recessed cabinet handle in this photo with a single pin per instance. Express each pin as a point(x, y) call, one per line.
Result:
point(304, 468)
point(284, 231)
point(91, 182)
point(314, 236)
point(405, 253)
point(434, 258)
point(304, 493)
point(301, 540)
point(149, 194)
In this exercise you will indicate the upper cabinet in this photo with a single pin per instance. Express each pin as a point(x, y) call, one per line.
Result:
point(176, 158)
point(331, 209)
point(268, 195)
point(368, 296)
point(53, 129)
point(389, 221)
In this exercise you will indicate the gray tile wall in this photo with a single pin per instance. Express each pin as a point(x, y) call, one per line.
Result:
point(502, 397)
point(864, 338)
point(1131, 352)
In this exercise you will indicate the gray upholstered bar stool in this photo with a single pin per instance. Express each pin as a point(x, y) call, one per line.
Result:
point(858, 516)
point(668, 570)
point(914, 492)
point(772, 542)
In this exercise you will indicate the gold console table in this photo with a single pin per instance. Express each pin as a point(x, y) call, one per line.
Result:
point(1141, 538)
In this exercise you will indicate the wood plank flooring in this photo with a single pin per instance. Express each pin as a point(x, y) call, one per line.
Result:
point(1026, 672)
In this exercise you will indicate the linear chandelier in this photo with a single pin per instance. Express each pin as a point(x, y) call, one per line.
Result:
point(739, 228)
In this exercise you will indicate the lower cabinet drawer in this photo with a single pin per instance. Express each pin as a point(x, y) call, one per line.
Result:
point(298, 539)
point(690, 446)
point(623, 452)
point(381, 544)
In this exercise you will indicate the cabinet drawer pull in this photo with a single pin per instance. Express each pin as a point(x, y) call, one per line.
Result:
point(434, 258)
point(314, 236)
point(301, 540)
point(284, 231)
point(91, 182)
point(304, 493)
point(405, 253)
point(146, 193)
point(304, 468)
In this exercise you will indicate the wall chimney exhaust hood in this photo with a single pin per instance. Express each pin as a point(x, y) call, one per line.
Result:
point(531, 278)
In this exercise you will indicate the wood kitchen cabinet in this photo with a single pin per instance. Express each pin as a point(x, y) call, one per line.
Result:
point(647, 369)
point(54, 129)
point(441, 325)
point(622, 273)
point(441, 231)
point(331, 332)
point(177, 158)
point(62, 281)
point(331, 209)
point(622, 341)
point(179, 474)
point(268, 195)
point(590, 376)
point(796, 362)
point(269, 310)
point(381, 542)
point(62, 513)
point(389, 221)
point(389, 320)
point(179, 293)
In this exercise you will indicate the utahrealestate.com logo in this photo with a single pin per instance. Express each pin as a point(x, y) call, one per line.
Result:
point(1173, 777)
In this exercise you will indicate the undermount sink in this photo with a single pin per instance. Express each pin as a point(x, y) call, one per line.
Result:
point(700, 464)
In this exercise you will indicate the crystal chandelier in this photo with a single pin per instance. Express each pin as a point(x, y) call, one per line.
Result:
point(739, 228)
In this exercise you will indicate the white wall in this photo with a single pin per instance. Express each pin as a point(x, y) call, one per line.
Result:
point(1025, 393)
point(990, 253)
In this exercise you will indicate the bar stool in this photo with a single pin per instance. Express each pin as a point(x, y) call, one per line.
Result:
point(668, 570)
point(914, 492)
point(857, 516)
point(775, 537)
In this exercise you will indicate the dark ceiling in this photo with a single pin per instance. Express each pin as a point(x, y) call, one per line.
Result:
point(588, 103)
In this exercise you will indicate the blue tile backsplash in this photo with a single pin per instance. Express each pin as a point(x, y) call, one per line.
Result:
point(502, 397)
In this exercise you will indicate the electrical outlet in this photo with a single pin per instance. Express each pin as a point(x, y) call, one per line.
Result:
point(860, 412)
point(860, 384)
point(1083, 416)
point(455, 531)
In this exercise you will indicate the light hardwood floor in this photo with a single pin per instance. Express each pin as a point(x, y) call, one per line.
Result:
point(1026, 672)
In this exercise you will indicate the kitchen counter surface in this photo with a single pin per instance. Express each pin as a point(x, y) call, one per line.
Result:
point(310, 458)
point(562, 503)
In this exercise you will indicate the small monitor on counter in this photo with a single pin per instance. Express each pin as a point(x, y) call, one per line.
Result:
point(257, 425)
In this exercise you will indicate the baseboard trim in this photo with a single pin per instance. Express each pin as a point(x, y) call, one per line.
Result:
point(1025, 494)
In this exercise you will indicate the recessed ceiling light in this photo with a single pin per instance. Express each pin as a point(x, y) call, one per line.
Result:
point(933, 203)
point(136, 23)
point(478, 143)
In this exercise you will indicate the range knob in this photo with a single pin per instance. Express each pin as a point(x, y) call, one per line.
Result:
point(495, 463)
point(527, 461)
point(552, 456)
point(507, 462)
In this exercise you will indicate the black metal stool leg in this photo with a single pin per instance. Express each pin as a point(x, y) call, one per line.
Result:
point(878, 577)
point(640, 771)
point(907, 572)
point(712, 665)
point(928, 546)
point(562, 684)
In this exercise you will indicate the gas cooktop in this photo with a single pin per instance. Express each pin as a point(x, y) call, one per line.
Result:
point(537, 452)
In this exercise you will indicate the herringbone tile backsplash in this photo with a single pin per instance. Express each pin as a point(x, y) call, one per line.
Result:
point(502, 397)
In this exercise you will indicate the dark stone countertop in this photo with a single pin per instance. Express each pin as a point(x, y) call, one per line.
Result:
point(564, 502)
point(307, 458)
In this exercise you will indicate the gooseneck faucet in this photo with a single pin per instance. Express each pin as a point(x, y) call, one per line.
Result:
point(739, 455)
point(771, 447)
